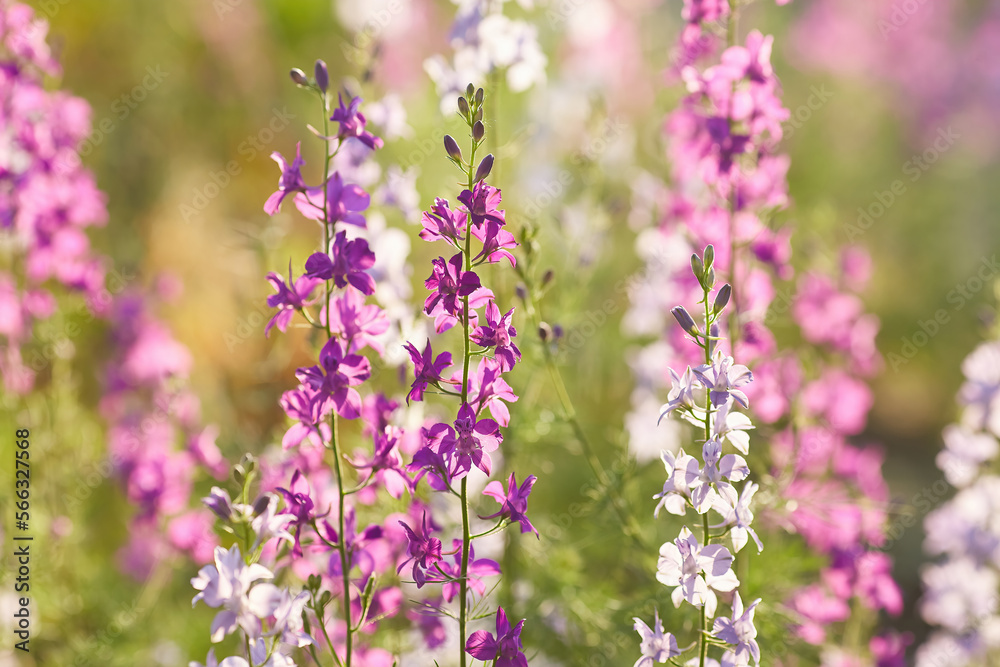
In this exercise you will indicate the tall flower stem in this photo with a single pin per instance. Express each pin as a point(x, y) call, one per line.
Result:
point(466, 532)
point(706, 288)
point(334, 444)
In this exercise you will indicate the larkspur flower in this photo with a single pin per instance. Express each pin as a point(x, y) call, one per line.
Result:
point(502, 649)
point(423, 550)
point(450, 573)
point(387, 464)
point(288, 299)
point(270, 524)
point(673, 498)
point(482, 202)
point(471, 440)
point(291, 181)
point(304, 405)
point(740, 517)
point(723, 378)
point(513, 502)
point(656, 645)
point(335, 377)
point(449, 282)
point(498, 333)
point(442, 223)
point(682, 392)
point(695, 569)
point(346, 264)
point(338, 202)
point(739, 631)
point(352, 122)
point(360, 324)
point(234, 586)
point(300, 506)
point(427, 369)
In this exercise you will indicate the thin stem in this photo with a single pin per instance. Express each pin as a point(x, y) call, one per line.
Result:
point(466, 531)
point(706, 535)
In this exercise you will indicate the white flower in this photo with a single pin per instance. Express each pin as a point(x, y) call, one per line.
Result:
point(230, 584)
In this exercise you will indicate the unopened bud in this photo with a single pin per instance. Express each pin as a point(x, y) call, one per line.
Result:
point(260, 504)
point(709, 279)
point(451, 146)
point(684, 319)
point(470, 90)
point(544, 332)
point(299, 77)
point(478, 131)
point(480, 96)
point(322, 76)
point(709, 256)
point(521, 291)
point(548, 276)
point(479, 114)
point(722, 298)
point(463, 107)
point(484, 169)
point(697, 267)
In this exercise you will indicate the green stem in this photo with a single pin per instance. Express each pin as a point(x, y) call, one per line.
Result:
point(466, 531)
point(706, 535)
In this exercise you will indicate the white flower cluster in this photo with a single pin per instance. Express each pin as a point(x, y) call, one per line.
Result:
point(961, 594)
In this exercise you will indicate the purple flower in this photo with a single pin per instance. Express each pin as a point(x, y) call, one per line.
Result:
point(672, 498)
point(740, 632)
point(305, 406)
point(428, 459)
point(498, 333)
point(739, 516)
point(471, 440)
point(424, 551)
point(335, 377)
point(449, 574)
point(504, 648)
point(345, 265)
point(656, 645)
point(426, 369)
point(358, 546)
point(298, 503)
point(714, 478)
point(344, 202)
point(443, 223)
point(270, 523)
point(490, 390)
point(681, 394)
point(482, 202)
point(290, 181)
point(449, 283)
point(359, 323)
point(694, 569)
point(513, 503)
point(220, 503)
point(722, 378)
point(288, 299)
point(387, 464)
point(352, 123)
point(497, 243)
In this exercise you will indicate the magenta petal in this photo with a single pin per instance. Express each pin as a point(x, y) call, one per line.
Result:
point(481, 645)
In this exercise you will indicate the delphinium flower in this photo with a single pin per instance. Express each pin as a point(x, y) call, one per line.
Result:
point(338, 557)
point(728, 183)
point(962, 589)
point(453, 448)
point(698, 566)
point(268, 618)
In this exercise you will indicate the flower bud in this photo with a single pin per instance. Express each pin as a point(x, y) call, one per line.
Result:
point(709, 256)
point(544, 331)
point(299, 77)
point(697, 267)
point(722, 298)
point(548, 276)
point(470, 90)
point(709, 282)
point(463, 107)
point(684, 319)
point(480, 96)
point(484, 169)
point(451, 146)
point(713, 340)
point(521, 291)
point(322, 76)
point(557, 331)
point(478, 131)
point(479, 114)
point(260, 504)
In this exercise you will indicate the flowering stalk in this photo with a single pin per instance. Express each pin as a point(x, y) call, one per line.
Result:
point(451, 451)
point(697, 568)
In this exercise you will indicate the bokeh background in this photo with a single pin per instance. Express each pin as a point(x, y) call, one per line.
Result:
point(191, 86)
